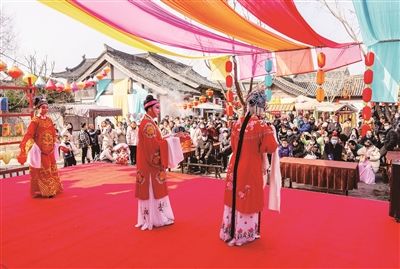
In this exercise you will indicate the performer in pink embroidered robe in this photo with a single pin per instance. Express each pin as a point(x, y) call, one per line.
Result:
point(252, 139)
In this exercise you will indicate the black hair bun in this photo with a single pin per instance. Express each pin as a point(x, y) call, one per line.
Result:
point(149, 98)
point(37, 100)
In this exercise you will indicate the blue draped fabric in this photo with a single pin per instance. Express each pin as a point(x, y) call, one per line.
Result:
point(136, 103)
point(101, 87)
point(380, 27)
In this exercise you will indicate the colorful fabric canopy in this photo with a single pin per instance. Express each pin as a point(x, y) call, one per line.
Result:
point(284, 17)
point(73, 11)
point(297, 62)
point(217, 14)
point(380, 28)
point(159, 24)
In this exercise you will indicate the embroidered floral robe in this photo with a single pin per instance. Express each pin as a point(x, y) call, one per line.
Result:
point(44, 180)
point(152, 157)
point(258, 139)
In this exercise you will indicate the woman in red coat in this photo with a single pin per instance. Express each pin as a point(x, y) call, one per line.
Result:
point(251, 140)
point(154, 208)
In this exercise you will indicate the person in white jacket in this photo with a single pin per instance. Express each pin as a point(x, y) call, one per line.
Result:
point(369, 162)
point(132, 140)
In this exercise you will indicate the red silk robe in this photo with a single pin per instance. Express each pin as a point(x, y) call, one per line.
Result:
point(258, 139)
point(152, 159)
point(45, 179)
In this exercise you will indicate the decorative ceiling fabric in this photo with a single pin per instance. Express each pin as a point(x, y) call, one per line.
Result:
point(294, 62)
point(73, 11)
point(339, 57)
point(283, 16)
point(159, 24)
point(380, 28)
point(253, 65)
point(218, 15)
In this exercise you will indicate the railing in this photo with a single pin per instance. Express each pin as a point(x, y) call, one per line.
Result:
point(29, 91)
point(8, 172)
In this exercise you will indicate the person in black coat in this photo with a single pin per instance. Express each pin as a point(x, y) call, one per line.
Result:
point(333, 150)
point(390, 141)
point(298, 150)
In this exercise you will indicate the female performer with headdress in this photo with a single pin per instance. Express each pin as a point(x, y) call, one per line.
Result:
point(252, 139)
point(40, 149)
point(154, 208)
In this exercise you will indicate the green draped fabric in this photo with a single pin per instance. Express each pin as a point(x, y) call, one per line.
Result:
point(101, 87)
point(380, 27)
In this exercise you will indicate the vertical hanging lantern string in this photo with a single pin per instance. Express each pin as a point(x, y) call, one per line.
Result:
point(268, 81)
point(229, 93)
point(367, 92)
point(320, 79)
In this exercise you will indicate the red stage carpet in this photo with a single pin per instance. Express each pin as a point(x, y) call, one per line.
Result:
point(91, 225)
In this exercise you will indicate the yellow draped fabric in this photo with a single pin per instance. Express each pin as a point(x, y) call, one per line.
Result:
point(73, 11)
point(217, 67)
point(120, 96)
point(217, 14)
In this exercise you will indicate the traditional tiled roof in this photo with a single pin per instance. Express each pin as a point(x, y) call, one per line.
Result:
point(183, 70)
point(140, 66)
point(157, 70)
point(337, 83)
point(77, 71)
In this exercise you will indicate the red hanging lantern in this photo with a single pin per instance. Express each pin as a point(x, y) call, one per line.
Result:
point(321, 58)
point(210, 93)
point(15, 72)
point(229, 81)
point(368, 76)
point(3, 66)
point(320, 77)
point(89, 83)
point(228, 66)
point(366, 113)
point(364, 129)
point(229, 110)
point(59, 87)
point(50, 85)
point(369, 58)
point(367, 94)
point(202, 99)
point(195, 103)
point(229, 95)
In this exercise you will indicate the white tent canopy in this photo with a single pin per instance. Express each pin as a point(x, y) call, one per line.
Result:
point(209, 106)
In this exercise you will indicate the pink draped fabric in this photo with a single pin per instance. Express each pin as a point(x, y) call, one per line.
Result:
point(283, 16)
point(253, 65)
point(296, 62)
point(338, 57)
point(148, 20)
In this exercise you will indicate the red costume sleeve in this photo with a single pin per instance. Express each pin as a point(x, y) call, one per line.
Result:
point(164, 153)
point(30, 134)
point(268, 142)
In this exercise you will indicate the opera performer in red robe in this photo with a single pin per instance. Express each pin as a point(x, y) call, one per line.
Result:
point(252, 139)
point(154, 208)
point(39, 148)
